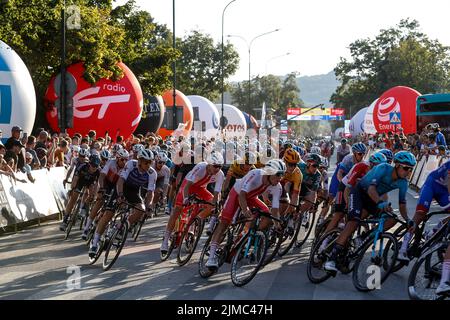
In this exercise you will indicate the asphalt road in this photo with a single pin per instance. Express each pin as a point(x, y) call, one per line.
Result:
point(39, 264)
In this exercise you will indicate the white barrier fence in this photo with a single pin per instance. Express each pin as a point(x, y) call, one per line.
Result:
point(27, 202)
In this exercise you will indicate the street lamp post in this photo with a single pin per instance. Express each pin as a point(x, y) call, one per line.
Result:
point(249, 46)
point(174, 93)
point(222, 119)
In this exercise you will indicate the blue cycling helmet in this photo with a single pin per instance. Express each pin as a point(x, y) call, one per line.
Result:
point(359, 147)
point(405, 157)
point(377, 158)
point(94, 160)
point(388, 154)
point(300, 151)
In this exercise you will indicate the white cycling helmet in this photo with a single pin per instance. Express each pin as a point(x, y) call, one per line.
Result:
point(275, 167)
point(84, 152)
point(145, 154)
point(76, 148)
point(161, 156)
point(315, 150)
point(138, 147)
point(122, 153)
point(215, 158)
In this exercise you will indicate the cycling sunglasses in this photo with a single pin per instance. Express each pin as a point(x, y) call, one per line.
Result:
point(360, 153)
point(217, 166)
point(313, 164)
point(406, 168)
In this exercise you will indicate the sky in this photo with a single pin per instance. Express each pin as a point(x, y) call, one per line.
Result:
point(314, 33)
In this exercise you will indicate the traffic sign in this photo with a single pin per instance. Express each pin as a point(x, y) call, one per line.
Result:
point(395, 118)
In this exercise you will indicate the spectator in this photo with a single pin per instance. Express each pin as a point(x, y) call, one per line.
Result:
point(1, 136)
point(30, 146)
point(59, 156)
point(442, 151)
point(27, 167)
point(92, 134)
point(42, 140)
point(42, 156)
point(428, 146)
point(15, 136)
point(398, 145)
point(440, 139)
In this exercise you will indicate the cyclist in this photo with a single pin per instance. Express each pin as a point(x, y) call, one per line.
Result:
point(291, 181)
point(244, 194)
point(85, 177)
point(366, 197)
point(238, 170)
point(323, 189)
point(436, 186)
point(76, 162)
point(136, 148)
point(163, 176)
point(311, 180)
point(195, 183)
point(105, 155)
point(137, 175)
point(107, 183)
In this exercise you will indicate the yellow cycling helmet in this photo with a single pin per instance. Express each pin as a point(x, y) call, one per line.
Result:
point(291, 156)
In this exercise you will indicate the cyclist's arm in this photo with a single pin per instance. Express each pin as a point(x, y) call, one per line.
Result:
point(185, 191)
point(149, 198)
point(119, 186)
point(403, 211)
point(226, 182)
point(243, 201)
point(448, 181)
point(373, 194)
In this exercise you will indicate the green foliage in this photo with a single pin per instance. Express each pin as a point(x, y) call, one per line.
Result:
point(199, 68)
point(397, 56)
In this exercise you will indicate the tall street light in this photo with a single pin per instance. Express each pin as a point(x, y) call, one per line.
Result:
point(249, 47)
point(174, 67)
point(277, 57)
point(222, 119)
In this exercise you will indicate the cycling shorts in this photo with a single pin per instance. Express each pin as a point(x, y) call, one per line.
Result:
point(339, 202)
point(231, 206)
point(83, 183)
point(201, 193)
point(359, 200)
point(131, 195)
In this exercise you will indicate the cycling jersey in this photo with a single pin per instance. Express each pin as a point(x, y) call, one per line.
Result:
point(252, 184)
point(163, 175)
point(435, 187)
point(294, 179)
point(85, 178)
point(236, 170)
point(111, 171)
point(358, 171)
point(310, 182)
point(345, 165)
point(381, 177)
point(136, 179)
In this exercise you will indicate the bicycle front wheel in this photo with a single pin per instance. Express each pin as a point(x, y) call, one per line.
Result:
point(319, 255)
point(375, 262)
point(249, 258)
point(115, 245)
point(290, 234)
point(306, 226)
point(274, 238)
point(189, 240)
point(426, 275)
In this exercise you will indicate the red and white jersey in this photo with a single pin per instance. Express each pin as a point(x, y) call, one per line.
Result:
point(164, 173)
point(201, 179)
point(355, 174)
point(252, 183)
point(111, 170)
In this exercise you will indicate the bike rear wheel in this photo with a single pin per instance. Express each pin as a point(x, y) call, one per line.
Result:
point(290, 234)
point(319, 255)
point(375, 262)
point(306, 226)
point(274, 238)
point(115, 245)
point(189, 240)
point(249, 258)
point(204, 255)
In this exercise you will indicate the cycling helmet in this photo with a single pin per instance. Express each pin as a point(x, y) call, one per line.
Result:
point(75, 149)
point(405, 157)
point(377, 158)
point(312, 157)
point(344, 140)
point(145, 154)
point(215, 158)
point(138, 147)
point(117, 147)
point(122, 153)
point(324, 163)
point(287, 145)
point(83, 152)
point(315, 150)
point(105, 155)
point(388, 154)
point(161, 156)
point(359, 147)
point(291, 156)
point(275, 167)
point(94, 160)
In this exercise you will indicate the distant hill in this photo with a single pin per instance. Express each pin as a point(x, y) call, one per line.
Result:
point(317, 89)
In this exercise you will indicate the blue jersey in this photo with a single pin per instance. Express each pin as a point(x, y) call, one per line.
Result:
point(346, 164)
point(440, 175)
point(381, 177)
point(136, 179)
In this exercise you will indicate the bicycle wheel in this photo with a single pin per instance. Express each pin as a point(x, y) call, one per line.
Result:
point(249, 258)
point(375, 262)
point(399, 234)
point(172, 241)
point(189, 240)
point(101, 247)
point(319, 230)
point(426, 275)
point(290, 234)
point(274, 238)
point(319, 255)
point(115, 246)
point(306, 227)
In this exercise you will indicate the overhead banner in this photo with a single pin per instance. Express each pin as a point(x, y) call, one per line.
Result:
point(306, 114)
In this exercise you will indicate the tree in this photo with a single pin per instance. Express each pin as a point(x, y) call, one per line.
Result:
point(199, 68)
point(105, 37)
point(397, 56)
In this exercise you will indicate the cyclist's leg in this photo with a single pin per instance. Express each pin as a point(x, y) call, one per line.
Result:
point(444, 285)
point(136, 215)
point(176, 212)
point(256, 203)
point(339, 208)
point(205, 195)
